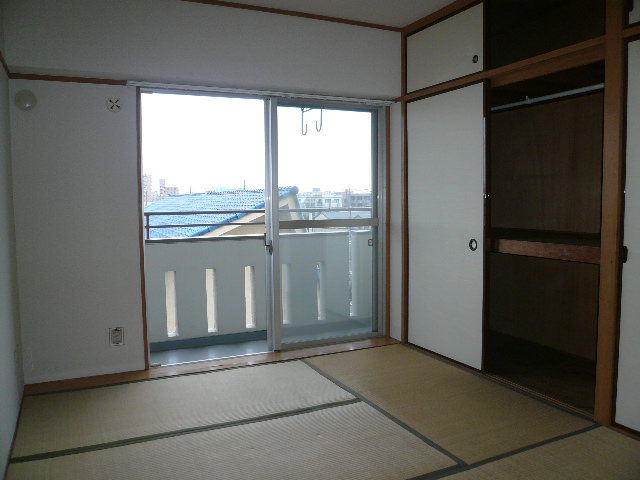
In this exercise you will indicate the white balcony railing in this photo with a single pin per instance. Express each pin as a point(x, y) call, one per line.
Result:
point(219, 283)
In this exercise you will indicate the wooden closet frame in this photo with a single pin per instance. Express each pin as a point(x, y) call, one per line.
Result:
point(611, 48)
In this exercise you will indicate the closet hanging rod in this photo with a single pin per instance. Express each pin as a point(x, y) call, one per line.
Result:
point(568, 93)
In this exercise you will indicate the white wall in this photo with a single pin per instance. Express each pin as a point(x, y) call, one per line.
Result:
point(628, 400)
point(634, 16)
point(75, 163)
point(77, 230)
point(173, 41)
point(2, 2)
point(395, 219)
point(10, 361)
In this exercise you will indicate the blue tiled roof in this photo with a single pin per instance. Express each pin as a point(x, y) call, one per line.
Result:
point(228, 200)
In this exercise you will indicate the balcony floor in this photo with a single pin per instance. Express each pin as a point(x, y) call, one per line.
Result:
point(329, 332)
point(210, 352)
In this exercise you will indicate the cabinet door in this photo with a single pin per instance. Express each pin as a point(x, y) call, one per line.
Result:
point(449, 49)
point(628, 398)
point(446, 220)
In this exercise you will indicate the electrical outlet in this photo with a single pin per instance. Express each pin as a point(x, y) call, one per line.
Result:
point(116, 336)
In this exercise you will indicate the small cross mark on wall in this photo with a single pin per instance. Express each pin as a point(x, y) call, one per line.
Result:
point(114, 104)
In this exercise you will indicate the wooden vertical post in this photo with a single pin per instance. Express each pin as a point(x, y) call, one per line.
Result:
point(387, 232)
point(612, 212)
point(404, 336)
point(405, 229)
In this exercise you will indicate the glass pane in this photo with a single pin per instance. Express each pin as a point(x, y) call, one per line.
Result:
point(204, 154)
point(327, 254)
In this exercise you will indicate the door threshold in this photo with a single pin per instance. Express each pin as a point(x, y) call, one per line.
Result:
point(183, 356)
point(538, 395)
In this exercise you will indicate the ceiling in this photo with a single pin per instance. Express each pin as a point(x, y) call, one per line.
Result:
point(391, 13)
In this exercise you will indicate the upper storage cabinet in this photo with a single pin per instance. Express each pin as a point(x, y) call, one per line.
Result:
point(521, 29)
point(449, 49)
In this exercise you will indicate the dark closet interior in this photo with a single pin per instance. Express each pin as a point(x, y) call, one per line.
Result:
point(544, 180)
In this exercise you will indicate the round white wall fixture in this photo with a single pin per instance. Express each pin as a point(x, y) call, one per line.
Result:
point(25, 100)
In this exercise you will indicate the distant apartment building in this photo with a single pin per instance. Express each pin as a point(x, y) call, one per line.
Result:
point(325, 200)
point(167, 191)
point(150, 196)
point(357, 199)
point(146, 183)
point(317, 198)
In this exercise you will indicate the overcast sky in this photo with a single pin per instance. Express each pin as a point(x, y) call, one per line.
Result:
point(199, 143)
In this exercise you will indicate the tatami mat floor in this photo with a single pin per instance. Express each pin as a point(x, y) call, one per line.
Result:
point(389, 412)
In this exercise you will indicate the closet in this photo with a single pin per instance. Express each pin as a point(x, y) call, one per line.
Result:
point(545, 185)
point(504, 187)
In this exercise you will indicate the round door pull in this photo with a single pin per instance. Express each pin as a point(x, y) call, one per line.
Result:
point(473, 244)
point(475, 59)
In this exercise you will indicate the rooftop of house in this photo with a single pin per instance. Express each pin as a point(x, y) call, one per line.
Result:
point(213, 201)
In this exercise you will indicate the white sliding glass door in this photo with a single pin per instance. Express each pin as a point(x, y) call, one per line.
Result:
point(328, 219)
point(260, 222)
point(203, 194)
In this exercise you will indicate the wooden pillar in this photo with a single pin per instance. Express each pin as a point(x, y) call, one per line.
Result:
point(612, 212)
point(404, 335)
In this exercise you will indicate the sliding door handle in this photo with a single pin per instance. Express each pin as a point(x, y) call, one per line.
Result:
point(268, 244)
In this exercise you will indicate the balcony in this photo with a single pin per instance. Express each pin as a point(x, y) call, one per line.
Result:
point(203, 290)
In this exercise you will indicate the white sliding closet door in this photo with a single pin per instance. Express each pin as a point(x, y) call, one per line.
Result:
point(446, 221)
point(628, 398)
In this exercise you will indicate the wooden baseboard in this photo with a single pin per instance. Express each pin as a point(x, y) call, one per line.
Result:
point(629, 432)
point(204, 366)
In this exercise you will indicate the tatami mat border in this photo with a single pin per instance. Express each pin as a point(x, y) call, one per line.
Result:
point(464, 468)
point(440, 474)
point(399, 422)
point(462, 465)
point(176, 433)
